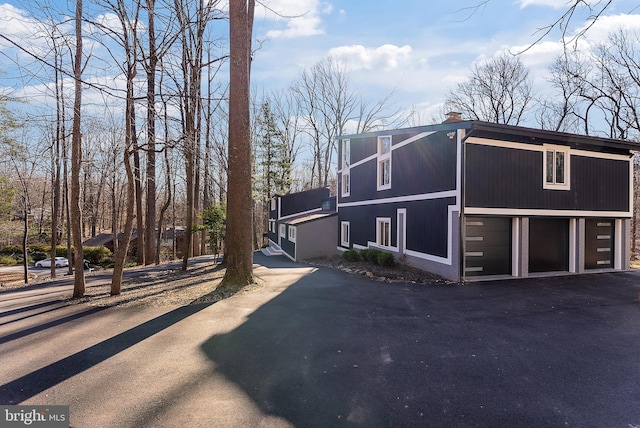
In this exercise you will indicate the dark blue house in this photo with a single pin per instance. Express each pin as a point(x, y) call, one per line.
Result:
point(469, 199)
point(302, 225)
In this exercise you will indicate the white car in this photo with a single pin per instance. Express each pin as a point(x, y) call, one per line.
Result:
point(59, 262)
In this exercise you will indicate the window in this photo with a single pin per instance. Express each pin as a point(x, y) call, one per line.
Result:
point(292, 233)
point(273, 204)
point(346, 183)
point(383, 232)
point(384, 163)
point(344, 233)
point(283, 231)
point(556, 167)
point(346, 154)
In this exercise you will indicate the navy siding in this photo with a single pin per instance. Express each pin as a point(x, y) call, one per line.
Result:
point(498, 177)
point(288, 246)
point(424, 166)
point(428, 226)
point(295, 203)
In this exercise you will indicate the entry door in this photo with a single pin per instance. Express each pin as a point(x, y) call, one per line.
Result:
point(548, 244)
point(599, 244)
point(487, 246)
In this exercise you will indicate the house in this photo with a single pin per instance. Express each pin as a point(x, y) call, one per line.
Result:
point(470, 200)
point(303, 225)
point(168, 237)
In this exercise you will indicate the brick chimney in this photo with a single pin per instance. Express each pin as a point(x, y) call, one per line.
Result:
point(453, 116)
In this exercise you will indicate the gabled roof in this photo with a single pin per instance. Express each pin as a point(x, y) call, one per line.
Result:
point(304, 218)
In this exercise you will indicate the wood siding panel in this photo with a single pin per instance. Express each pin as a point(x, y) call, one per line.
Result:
point(427, 224)
point(498, 177)
point(295, 203)
point(424, 166)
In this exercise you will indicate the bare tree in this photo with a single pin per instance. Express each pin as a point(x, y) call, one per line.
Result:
point(76, 162)
point(498, 91)
point(239, 251)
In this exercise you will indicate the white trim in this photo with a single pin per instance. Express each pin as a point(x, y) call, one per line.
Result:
point(359, 247)
point(503, 144)
point(412, 139)
point(381, 159)
point(539, 148)
point(345, 173)
point(619, 245)
point(515, 246)
point(554, 185)
point(402, 232)
point(379, 222)
point(341, 249)
point(546, 213)
point(294, 230)
point(573, 242)
point(282, 230)
point(362, 161)
point(342, 241)
point(288, 255)
point(346, 142)
point(409, 198)
point(301, 213)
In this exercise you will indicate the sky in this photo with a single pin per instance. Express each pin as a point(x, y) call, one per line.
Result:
point(418, 49)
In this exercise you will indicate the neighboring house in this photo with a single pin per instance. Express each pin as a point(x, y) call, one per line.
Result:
point(167, 238)
point(303, 225)
point(469, 199)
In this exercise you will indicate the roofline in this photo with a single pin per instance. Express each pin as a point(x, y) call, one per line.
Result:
point(547, 135)
point(531, 133)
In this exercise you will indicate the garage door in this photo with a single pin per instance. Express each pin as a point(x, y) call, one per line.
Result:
point(548, 244)
point(598, 252)
point(487, 246)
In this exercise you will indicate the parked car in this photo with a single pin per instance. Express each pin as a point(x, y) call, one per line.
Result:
point(59, 262)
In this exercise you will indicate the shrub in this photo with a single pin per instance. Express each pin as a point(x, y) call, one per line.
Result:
point(8, 261)
point(351, 255)
point(372, 255)
point(385, 259)
point(97, 255)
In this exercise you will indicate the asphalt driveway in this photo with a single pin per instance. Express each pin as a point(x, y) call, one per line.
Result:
point(320, 348)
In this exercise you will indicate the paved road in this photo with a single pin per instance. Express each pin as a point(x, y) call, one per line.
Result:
point(319, 348)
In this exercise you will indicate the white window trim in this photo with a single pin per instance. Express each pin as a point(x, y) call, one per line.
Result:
point(379, 221)
point(382, 157)
point(292, 233)
point(345, 242)
point(273, 204)
point(283, 230)
point(346, 183)
point(567, 167)
point(346, 150)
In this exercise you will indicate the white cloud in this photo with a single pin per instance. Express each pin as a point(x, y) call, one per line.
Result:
point(296, 18)
point(599, 31)
point(556, 4)
point(386, 56)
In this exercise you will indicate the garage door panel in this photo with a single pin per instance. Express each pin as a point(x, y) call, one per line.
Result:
point(599, 243)
point(548, 244)
point(487, 246)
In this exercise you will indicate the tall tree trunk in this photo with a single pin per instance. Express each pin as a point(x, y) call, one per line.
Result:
point(150, 233)
point(239, 251)
point(76, 163)
point(139, 204)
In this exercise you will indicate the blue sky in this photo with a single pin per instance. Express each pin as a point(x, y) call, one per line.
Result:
point(420, 48)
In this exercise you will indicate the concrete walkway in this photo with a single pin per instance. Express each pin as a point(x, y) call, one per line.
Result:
point(320, 348)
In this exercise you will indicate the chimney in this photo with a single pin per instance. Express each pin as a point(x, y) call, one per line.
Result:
point(453, 116)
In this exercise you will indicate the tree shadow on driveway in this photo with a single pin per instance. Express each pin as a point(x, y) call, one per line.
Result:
point(38, 381)
point(338, 350)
